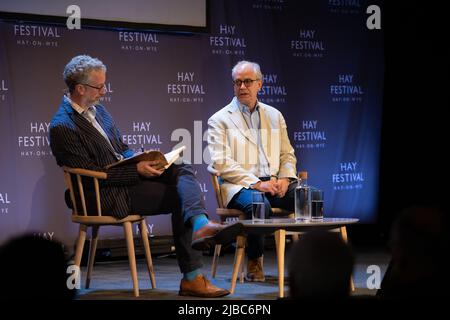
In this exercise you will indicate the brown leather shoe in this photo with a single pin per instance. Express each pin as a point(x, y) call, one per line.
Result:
point(201, 287)
point(255, 271)
point(215, 233)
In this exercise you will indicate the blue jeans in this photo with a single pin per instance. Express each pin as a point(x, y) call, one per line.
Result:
point(243, 201)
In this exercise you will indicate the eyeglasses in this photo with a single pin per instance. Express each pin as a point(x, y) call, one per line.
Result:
point(246, 82)
point(99, 88)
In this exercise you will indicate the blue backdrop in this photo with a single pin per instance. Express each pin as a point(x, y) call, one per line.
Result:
point(323, 69)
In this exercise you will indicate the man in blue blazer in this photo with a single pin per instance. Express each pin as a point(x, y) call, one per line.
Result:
point(83, 135)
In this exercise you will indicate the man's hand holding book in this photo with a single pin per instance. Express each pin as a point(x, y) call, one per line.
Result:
point(150, 169)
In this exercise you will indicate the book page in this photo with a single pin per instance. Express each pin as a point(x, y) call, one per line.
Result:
point(151, 155)
point(173, 155)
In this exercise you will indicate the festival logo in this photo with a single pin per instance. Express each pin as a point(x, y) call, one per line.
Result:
point(4, 202)
point(308, 45)
point(138, 41)
point(37, 35)
point(3, 90)
point(143, 137)
point(36, 143)
point(49, 235)
point(346, 90)
point(227, 41)
point(344, 6)
point(273, 90)
point(149, 229)
point(310, 136)
point(349, 177)
point(269, 5)
point(186, 88)
point(108, 95)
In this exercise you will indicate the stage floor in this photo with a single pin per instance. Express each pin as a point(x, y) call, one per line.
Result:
point(112, 280)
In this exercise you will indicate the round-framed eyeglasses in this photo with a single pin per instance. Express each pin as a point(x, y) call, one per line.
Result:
point(246, 82)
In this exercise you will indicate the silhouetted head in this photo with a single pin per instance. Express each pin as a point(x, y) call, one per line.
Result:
point(419, 241)
point(321, 265)
point(32, 267)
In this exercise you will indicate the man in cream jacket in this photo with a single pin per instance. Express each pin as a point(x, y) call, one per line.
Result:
point(249, 146)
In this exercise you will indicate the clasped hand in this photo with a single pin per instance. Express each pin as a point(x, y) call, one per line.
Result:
point(274, 187)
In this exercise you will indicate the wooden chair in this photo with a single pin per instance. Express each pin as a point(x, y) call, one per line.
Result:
point(226, 214)
point(95, 220)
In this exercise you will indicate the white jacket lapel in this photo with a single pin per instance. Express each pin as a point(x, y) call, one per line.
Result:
point(238, 120)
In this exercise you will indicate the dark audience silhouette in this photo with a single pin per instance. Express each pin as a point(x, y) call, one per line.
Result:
point(321, 265)
point(419, 245)
point(32, 267)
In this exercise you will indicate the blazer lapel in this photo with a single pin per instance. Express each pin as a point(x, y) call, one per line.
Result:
point(86, 127)
point(238, 120)
point(108, 131)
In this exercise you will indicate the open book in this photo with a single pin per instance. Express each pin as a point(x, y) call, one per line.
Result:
point(165, 160)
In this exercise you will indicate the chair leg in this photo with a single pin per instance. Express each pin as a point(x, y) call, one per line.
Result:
point(295, 236)
point(148, 253)
point(215, 261)
point(92, 250)
point(240, 248)
point(80, 244)
point(131, 256)
point(242, 269)
point(280, 240)
point(343, 231)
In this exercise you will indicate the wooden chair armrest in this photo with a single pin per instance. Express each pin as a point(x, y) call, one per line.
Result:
point(86, 172)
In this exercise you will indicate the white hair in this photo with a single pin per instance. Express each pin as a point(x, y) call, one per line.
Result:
point(241, 64)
